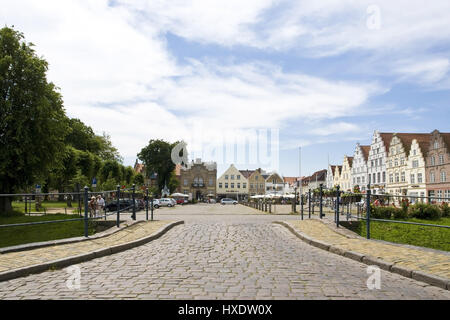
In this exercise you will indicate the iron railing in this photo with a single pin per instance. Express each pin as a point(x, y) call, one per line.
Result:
point(117, 197)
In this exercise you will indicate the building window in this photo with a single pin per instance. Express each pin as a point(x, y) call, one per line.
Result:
point(210, 181)
point(419, 178)
point(441, 159)
point(443, 176)
point(397, 177)
point(232, 185)
point(374, 178)
point(220, 185)
point(432, 177)
point(238, 177)
point(384, 176)
point(433, 161)
point(226, 185)
point(244, 185)
point(415, 163)
point(239, 185)
point(413, 178)
point(403, 176)
point(232, 177)
point(436, 144)
point(391, 178)
point(379, 177)
point(185, 182)
point(226, 177)
point(251, 185)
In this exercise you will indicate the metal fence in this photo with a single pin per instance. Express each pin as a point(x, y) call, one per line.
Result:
point(361, 206)
point(116, 202)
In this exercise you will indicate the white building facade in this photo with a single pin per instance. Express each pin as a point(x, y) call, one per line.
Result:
point(376, 165)
point(360, 170)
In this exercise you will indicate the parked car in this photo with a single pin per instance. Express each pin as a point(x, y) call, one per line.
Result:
point(182, 201)
point(228, 201)
point(166, 202)
point(174, 201)
point(156, 203)
point(126, 204)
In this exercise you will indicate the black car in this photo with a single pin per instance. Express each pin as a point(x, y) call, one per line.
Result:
point(125, 205)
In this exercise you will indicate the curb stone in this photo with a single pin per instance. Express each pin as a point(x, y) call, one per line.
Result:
point(64, 262)
point(387, 266)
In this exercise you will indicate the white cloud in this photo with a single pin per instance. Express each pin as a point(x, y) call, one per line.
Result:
point(101, 56)
point(336, 128)
point(427, 71)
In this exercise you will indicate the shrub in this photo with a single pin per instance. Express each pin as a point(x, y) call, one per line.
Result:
point(381, 212)
point(425, 211)
point(445, 209)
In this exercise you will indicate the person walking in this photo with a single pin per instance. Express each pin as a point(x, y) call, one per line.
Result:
point(92, 207)
point(100, 204)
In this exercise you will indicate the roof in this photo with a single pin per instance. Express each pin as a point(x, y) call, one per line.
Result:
point(446, 137)
point(319, 175)
point(350, 161)
point(246, 173)
point(386, 137)
point(423, 139)
point(365, 151)
point(290, 180)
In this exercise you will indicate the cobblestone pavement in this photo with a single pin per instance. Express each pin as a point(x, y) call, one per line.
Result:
point(236, 257)
point(431, 262)
point(14, 260)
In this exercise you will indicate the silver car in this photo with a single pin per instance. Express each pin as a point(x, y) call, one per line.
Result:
point(166, 202)
point(228, 201)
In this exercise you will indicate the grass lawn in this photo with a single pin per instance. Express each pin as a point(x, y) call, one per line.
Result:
point(430, 237)
point(19, 206)
point(11, 236)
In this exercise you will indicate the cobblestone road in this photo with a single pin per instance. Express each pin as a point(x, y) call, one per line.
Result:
point(236, 257)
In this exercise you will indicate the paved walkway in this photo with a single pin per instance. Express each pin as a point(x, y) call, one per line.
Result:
point(428, 261)
point(222, 256)
point(14, 260)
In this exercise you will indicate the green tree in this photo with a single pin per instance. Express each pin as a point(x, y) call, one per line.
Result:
point(32, 117)
point(156, 157)
point(139, 179)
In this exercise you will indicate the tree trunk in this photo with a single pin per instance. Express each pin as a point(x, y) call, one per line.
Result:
point(5, 205)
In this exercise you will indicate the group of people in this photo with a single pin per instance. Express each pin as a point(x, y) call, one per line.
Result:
point(96, 206)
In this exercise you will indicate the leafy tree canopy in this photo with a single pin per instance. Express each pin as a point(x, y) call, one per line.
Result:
point(32, 116)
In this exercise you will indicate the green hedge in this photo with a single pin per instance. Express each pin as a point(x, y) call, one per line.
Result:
point(418, 210)
point(425, 211)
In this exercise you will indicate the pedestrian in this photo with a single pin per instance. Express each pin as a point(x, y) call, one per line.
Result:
point(100, 204)
point(92, 206)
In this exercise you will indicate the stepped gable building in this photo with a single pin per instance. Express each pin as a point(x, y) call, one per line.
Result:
point(398, 168)
point(416, 169)
point(337, 176)
point(330, 176)
point(345, 181)
point(198, 179)
point(378, 154)
point(359, 168)
point(438, 166)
